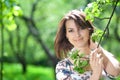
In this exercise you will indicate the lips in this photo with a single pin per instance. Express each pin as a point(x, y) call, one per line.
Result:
point(79, 39)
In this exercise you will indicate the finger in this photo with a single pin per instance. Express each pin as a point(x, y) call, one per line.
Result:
point(95, 55)
point(101, 63)
point(99, 55)
point(99, 50)
point(92, 54)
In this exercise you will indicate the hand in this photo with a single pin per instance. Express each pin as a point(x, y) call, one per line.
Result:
point(96, 62)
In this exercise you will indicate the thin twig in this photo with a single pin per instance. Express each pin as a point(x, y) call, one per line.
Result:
point(102, 18)
point(107, 27)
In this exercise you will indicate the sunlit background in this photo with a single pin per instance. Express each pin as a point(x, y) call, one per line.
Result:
point(29, 28)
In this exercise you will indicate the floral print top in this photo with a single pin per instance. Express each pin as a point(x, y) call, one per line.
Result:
point(64, 71)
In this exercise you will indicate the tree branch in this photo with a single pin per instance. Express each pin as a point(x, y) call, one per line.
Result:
point(34, 7)
point(25, 42)
point(11, 41)
point(116, 29)
point(18, 39)
point(34, 31)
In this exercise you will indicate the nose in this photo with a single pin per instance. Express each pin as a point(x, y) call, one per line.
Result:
point(78, 34)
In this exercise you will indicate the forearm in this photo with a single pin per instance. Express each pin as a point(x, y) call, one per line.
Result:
point(112, 68)
point(111, 65)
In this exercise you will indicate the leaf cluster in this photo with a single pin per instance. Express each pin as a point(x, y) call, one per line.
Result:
point(96, 8)
point(97, 35)
point(79, 63)
point(9, 9)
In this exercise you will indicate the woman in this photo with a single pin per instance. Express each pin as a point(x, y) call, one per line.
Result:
point(74, 33)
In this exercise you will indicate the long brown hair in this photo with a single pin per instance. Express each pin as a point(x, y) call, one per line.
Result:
point(61, 44)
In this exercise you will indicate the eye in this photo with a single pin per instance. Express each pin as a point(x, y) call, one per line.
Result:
point(82, 28)
point(70, 30)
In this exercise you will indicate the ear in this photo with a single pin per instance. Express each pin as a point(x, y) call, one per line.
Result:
point(90, 31)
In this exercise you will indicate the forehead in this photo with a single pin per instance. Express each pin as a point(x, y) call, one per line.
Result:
point(71, 24)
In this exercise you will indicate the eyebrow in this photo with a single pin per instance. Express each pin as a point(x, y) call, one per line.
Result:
point(69, 28)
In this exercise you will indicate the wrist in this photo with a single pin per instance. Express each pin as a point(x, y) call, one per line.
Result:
point(95, 76)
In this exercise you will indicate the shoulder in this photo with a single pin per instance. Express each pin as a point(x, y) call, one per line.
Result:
point(63, 63)
point(64, 67)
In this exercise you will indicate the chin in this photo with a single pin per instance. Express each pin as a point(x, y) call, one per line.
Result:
point(81, 45)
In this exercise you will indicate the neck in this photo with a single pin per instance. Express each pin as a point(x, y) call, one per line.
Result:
point(87, 48)
point(84, 50)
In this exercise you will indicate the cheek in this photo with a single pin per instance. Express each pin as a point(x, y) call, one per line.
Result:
point(86, 35)
point(70, 38)
point(86, 32)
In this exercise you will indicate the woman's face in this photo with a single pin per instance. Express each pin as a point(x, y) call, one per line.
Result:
point(77, 37)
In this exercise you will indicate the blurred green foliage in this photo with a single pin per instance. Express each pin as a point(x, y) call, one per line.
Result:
point(46, 16)
point(14, 72)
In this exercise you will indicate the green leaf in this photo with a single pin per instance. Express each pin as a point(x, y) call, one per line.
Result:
point(84, 63)
point(81, 70)
point(17, 11)
point(74, 54)
point(11, 26)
